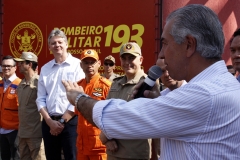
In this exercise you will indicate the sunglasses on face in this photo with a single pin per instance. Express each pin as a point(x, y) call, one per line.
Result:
point(108, 64)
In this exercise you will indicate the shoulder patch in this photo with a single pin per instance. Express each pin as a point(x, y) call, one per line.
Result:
point(105, 81)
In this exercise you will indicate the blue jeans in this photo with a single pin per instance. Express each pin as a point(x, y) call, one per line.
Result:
point(8, 146)
point(65, 141)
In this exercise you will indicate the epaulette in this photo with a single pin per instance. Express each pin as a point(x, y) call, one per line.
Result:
point(118, 78)
point(105, 81)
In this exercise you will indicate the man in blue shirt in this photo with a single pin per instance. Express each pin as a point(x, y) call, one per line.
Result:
point(199, 120)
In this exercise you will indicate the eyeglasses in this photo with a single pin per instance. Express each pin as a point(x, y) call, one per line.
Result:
point(108, 64)
point(7, 66)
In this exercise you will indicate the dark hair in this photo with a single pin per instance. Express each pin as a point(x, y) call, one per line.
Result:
point(9, 57)
point(235, 34)
point(34, 64)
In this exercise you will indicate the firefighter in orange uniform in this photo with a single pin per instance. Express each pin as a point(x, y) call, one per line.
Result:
point(9, 109)
point(89, 146)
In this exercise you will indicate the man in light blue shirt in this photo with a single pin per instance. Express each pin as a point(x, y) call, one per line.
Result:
point(198, 121)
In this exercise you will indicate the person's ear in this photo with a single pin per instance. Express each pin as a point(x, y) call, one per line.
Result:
point(66, 45)
point(99, 63)
point(191, 45)
point(141, 59)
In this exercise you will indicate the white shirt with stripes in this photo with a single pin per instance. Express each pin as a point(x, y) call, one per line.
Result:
point(198, 121)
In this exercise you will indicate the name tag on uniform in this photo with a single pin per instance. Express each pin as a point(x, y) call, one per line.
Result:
point(12, 91)
point(97, 94)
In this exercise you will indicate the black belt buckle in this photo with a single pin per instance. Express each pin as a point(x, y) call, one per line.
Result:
point(56, 118)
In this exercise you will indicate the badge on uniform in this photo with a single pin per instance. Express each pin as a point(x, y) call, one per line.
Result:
point(98, 92)
point(12, 91)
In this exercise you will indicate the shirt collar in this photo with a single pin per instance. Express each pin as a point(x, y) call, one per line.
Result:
point(11, 79)
point(94, 78)
point(31, 80)
point(217, 68)
point(135, 80)
point(68, 60)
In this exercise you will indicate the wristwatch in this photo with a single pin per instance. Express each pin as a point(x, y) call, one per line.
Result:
point(79, 96)
point(62, 121)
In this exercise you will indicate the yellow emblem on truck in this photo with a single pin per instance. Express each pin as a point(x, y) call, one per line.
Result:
point(26, 37)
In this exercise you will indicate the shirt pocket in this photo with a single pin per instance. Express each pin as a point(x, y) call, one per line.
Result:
point(31, 96)
point(11, 114)
point(94, 141)
point(70, 76)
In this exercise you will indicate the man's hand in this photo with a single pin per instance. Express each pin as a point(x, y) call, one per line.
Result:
point(103, 138)
point(73, 90)
point(55, 127)
point(111, 145)
point(148, 94)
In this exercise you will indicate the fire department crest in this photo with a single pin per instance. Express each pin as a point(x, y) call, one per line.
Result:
point(26, 37)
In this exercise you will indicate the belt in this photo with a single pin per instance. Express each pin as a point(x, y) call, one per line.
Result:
point(56, 117)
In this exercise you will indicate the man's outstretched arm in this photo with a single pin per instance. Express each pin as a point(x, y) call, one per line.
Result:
point(83, 104)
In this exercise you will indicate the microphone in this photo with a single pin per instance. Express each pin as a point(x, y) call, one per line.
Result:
point(154, 73)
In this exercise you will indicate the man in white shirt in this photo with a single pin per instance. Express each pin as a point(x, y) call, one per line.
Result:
point(60, 123)
point(199, 120)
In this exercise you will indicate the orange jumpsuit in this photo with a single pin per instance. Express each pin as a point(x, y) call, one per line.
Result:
point(88, 142)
